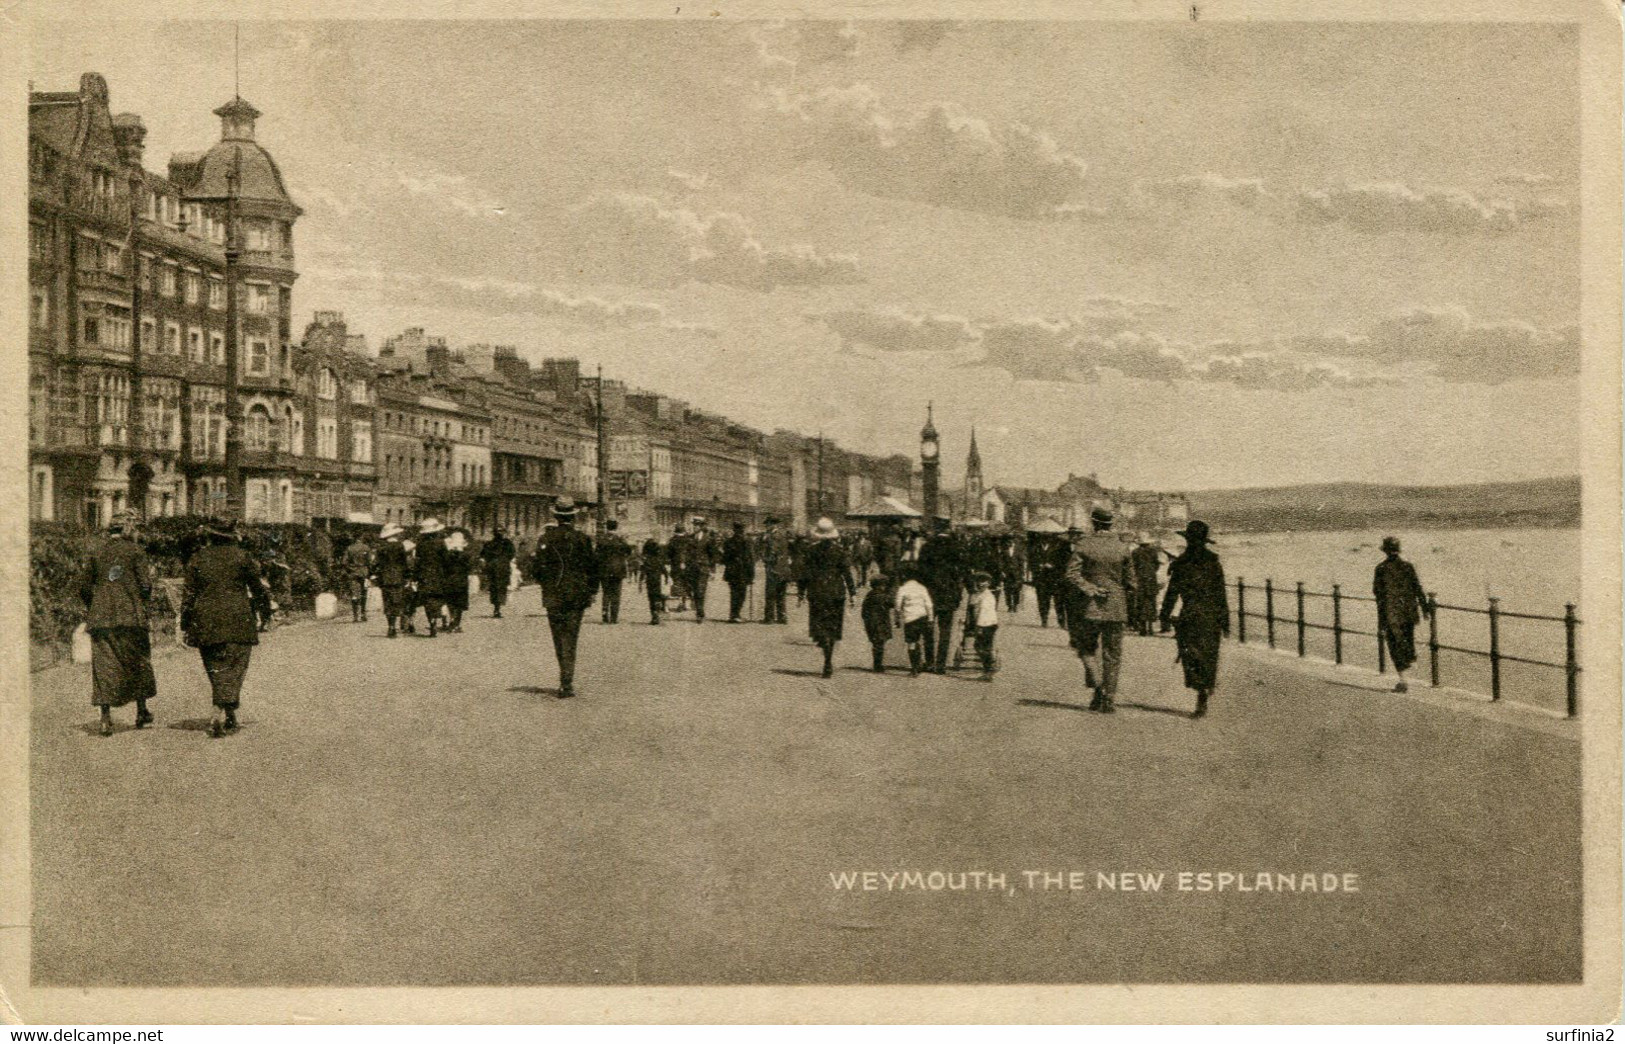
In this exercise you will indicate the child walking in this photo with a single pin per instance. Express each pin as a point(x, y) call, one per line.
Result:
point(877, 618)
point(984, 617)
point(916, 615)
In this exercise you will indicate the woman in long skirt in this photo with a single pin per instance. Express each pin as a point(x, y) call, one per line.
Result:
point(225, 598)
point(830, 586)
point(116, 587)
point(1196, 585)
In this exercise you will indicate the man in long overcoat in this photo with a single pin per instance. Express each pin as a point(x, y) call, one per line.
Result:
point(566, 567)
point(357, 567)
point(738, 570)
point(391, 571)
point(655, 577)
point(116, 588)
point(1401, 604)
point(225, 595)
point(614, 553)
point(1098, 578)
point(777, 572)
point(941, 568)
point(496, 563)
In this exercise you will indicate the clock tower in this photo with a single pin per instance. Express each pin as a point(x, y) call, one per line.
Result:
point(930, 467)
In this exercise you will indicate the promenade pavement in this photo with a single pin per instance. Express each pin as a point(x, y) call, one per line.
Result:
point(425, 811)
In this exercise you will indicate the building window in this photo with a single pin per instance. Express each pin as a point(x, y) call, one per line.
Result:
point(149, 335)
point(259, 428)
point(217, 294)
point(327, 386)
point(358, 392)
point(194, 344)
point(172, 338)
point(259, 298)
point(168, 280)
point(112, 259)
point(37, 243)
point(194, 286)
point(361, 441)
point(217, 348)
point(259, 358)
point(90, 254)
point(296, 432)
point(259, 237)
point(327, 438)
point(39, 308)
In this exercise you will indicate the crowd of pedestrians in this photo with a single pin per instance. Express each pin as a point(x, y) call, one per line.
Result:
point(1093, 583)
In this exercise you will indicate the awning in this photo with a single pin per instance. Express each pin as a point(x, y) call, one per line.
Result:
point(884, 507)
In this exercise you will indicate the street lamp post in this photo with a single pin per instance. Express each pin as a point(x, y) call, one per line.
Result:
point(929, 465)
point(235, 494)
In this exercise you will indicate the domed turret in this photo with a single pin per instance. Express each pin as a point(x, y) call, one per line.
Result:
point(258, 178)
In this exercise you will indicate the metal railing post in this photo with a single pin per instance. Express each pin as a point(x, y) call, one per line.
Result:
point(1382, 647)
point(1269, 610)
point(1337, 623)
point(1495, 648)
point(1300, 619)
point(1571, 661)
point(1241, 611)
point(1433, 638)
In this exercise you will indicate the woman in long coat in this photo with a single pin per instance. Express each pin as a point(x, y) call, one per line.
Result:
point(458, 565)
point(829, 587)
point(1196, 585)
point(224, 597)
point(116, 587)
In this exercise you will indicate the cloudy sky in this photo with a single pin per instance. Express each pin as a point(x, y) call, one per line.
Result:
point(1179, 255)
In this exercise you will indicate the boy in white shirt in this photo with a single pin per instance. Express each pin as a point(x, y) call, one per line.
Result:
point(984, 618)
point(916, 615)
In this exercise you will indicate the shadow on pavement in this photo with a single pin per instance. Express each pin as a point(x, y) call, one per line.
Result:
point(534, 690)
point(1150, 709)
point(200, 725)
point(1054, 705)
point(798, 674)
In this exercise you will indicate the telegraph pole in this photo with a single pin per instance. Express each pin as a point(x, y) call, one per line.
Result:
point(820, 474)
point(140, 473)
point(235, 493)
point(602, 507)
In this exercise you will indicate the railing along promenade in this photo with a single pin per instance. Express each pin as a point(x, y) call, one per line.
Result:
point(1301, 622)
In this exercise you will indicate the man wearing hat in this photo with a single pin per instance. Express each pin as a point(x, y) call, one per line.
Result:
point(943, 571)
point(655, 577)
point(116, 588)
point(1196, 585)
point(496, 562)
point(390, 572)
point(432, 571)
point(613, 554)
point(691, 565)
point(1401, 603)
point(357, 567)
point(566, 567)
point(776, 567)
point(738, 570)
point(224, 595)
point(1146, 559)
point(1098, 577)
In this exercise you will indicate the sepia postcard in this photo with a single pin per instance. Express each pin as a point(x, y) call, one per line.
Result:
point(917, 512)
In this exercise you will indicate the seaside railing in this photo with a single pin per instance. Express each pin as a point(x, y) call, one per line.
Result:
point(1300, 623)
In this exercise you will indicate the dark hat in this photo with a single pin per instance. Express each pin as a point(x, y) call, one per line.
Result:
point(739, 527)
point(122, 521)
point(564, 508)
point(1196, 532)
point(221, 527)
point(772, 520)
point(1390, 543)
point(497, 531)
point(612, 525)
point(1101, 513)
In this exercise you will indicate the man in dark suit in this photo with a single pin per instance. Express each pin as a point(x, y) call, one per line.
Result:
point(116, 587)
point(1401, 604)
point(738, 570)
point(941, 569)
point(566, 567)
point(1147, 560)
point(613, 554)
point(776, 570)
point(390, 572)
point(496, 562)
point(690, 562)
point(654, 577)
point(1099, 575)
point(225, 595)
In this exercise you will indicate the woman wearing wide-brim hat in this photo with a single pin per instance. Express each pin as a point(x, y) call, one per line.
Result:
point(830, 586)
point(1196, 585)
point(225, 596)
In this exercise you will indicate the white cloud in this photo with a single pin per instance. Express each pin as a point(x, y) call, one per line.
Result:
point(1192, 188)
point(1395, 207)
point(636, 239)
point(940, 155)
point(896, 331)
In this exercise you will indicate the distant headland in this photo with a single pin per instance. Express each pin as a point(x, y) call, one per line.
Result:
point(1536, 503)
